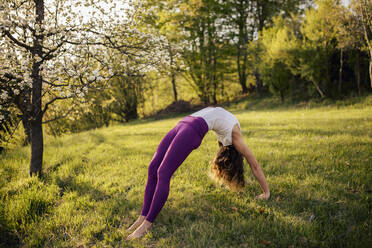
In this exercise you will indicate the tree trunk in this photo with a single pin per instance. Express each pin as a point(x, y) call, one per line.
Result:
point(366, 24)
point(319, 90)
point(214, 75)
point(370, 71)
point(259, 84)
point(174, 86)
point(241, 69)
point(243, 83)
point(340, 72)
point(244, 68)
point(27, 129)
point(357, 72)
point(242, 56)
point(36, 105)
point(36, 147)
point(173, 74)
point(36, 123)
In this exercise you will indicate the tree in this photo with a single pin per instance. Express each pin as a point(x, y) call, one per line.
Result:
point(363, 10)
point(280, 44)
point(349, 35)
point(163, 16)
point(319, 43)
point(238, 14)
point(53, 53)
point(262, 14)
point(203, 24)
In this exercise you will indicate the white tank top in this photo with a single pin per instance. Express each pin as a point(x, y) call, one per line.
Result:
point(220, 121)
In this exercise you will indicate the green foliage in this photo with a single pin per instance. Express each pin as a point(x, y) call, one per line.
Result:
point(103, 105)
point(319, 44)
point(317, 51)
point(206, 57)
point(216, 46)
point(125, 95)
point(279, 63)
point(278, 78)
point(7, 124)
point(316, 157)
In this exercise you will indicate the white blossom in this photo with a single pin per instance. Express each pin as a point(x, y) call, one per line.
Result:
point(4, 95)
point(69, 63)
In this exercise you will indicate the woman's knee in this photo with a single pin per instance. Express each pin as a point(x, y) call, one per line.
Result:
point(163, 174)
point(153, 168)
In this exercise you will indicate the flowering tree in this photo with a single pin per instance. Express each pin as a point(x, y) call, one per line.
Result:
point(56, 50)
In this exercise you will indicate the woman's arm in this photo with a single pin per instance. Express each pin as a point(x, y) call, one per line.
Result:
point(238, 142)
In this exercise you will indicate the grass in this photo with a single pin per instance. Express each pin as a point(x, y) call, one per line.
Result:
point(317, 160)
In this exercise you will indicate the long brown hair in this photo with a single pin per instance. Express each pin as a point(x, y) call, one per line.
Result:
point(227, 168)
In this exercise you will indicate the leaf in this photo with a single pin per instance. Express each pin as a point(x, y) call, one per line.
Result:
point(261, 210)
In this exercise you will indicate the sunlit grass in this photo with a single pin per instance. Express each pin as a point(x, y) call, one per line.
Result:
point(317, 161)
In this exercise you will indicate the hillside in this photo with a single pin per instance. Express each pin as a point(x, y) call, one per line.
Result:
point(317, 162)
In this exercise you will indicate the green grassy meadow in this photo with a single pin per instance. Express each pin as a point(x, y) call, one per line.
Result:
point(318, 163)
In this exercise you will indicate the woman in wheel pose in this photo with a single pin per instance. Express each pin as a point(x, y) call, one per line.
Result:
point(179, 142)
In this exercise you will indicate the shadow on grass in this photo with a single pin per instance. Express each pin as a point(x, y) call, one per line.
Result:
point(270, 103)
point(8, 237)
point(290, 217)
point(214, 220)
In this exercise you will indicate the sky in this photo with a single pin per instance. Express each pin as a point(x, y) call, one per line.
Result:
point(345, 2)
point(123, 4)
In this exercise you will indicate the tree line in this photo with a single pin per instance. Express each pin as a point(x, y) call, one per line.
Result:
point(298, 49)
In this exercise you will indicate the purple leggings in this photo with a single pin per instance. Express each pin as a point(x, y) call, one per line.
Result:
point(171, 152)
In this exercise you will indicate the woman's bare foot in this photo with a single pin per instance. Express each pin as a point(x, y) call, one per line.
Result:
point(264, 196)
point(137, 223)
point(141, 230)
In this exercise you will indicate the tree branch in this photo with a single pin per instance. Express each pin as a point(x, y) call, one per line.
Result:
point(52, 101)
point(59, 117)
point(54, 85)
point(11, 37)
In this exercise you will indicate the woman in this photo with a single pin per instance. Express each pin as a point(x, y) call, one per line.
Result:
point(186, 136)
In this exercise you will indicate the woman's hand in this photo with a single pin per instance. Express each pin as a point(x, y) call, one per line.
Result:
point(264, 196)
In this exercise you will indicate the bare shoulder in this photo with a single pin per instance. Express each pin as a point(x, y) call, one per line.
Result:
point(236, 131)
point(238, 140)
point(236, 134)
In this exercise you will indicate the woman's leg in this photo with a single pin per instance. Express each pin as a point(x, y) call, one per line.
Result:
point(182, 145)
point(153, 168)
point(152, 176)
